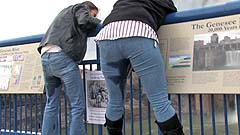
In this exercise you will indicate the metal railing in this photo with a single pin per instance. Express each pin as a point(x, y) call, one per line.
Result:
point(22, 114)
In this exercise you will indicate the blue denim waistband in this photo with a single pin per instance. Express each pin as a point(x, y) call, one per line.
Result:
point(47, 54)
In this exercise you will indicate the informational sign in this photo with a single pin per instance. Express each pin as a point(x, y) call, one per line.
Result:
point(96, 96)
point(202, 56)
point(20, 69)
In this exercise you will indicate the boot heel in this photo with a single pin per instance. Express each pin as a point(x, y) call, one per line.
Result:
point(114, 127)
point(171, 126)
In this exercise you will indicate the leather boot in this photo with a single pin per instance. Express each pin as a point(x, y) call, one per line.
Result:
point(171, 126)
point(114, 127)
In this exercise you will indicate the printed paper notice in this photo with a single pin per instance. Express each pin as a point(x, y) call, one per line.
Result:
point(97, 97)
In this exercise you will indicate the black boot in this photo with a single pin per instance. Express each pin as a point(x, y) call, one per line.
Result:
point(114, 127)
point(171, 126)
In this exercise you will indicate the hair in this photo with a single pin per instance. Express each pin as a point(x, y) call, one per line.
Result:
point(90, 5)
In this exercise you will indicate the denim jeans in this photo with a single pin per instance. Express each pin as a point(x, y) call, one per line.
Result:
point(145, 57)
point(59, 70)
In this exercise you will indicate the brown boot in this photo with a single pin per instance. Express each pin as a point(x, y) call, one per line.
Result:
point(171, 126)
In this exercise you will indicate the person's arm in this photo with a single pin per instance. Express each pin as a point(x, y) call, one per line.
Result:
point(87, 23)
point(94, 32)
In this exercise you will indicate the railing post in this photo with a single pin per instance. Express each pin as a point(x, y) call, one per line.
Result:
point(10, 112)
point(20, 104)
point(201, 114)
point(131, 105)
point(1, 114)
point(179, 107)
point(225, 113)
point(213, 115)
point(238, 112)
point(98, 57)
point(36, 114)
point(190, 114)
point(15, 113)
point(100, 127)
point(140, 106)
point(149, 119)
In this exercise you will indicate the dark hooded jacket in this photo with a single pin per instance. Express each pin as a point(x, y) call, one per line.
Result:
point(70, 30)
point(151, 12)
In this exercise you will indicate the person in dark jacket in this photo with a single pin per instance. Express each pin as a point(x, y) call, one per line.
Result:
point(62, 47)
point(129, 36)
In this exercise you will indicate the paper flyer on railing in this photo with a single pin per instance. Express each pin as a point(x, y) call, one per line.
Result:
point(96, 97)
point(20, 69)
point(202, 56)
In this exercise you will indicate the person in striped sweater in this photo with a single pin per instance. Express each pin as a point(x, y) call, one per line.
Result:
point(129, 36)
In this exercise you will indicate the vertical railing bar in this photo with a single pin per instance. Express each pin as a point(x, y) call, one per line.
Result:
point(225, 113)
point(149, 119)
point(10, 112)
point(36, 115)
point(124, 122)
point(25, 104)
point(238, 112)
point(90, 67)
point(1, 114)
point(140, 106)
point(5, 112)
point(66, 110)
point(100, 127)
point(124, 125)
point(169, 96)
point(15, 113)
point(201, 115)
point(31, 124)
point(41, 109)
point(84, 88)
point(190, 113)
point(20, 104)
point(131, 105)
point(60, 115)
point(180, 108)
point(100, 131)
point(98, 57)
point(92, 124)
point(213, 115)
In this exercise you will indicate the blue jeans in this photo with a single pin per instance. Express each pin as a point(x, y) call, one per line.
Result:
point(146, 59)
point(59, 70)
